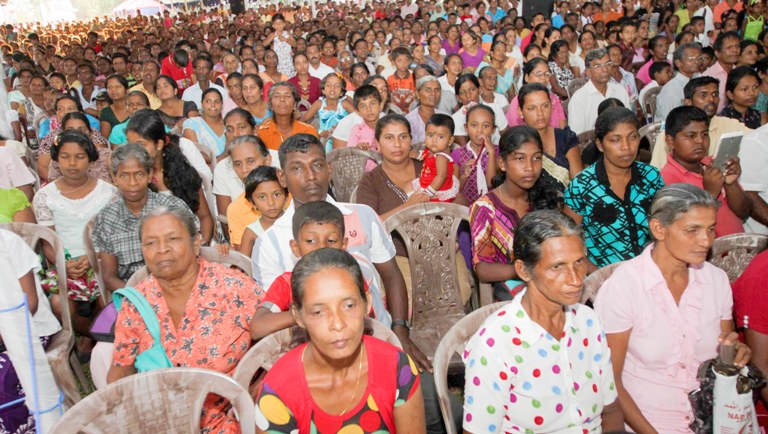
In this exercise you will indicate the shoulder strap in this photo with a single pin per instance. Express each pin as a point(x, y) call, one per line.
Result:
point(142, 306)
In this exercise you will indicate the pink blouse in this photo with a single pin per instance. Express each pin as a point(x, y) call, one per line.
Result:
point(558, 114)
point(667, 342)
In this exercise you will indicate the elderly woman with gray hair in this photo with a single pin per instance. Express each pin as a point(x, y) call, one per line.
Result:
point(115, 232)
point(666, 311)
point(428, 92)
point(541, 363)
point(191, 297)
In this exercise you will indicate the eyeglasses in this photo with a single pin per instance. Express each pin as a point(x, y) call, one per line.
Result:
point(602, 65)
point(694, 58)
point(542, 74)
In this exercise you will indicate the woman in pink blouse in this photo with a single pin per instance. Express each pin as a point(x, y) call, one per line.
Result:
point(537, 70)
point(666, 311)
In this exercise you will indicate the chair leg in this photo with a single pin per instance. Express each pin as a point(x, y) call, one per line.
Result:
point(77, 368)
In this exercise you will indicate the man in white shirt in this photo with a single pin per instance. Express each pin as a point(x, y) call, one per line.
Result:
point(307, 178)
point(194, 93)
point(583, 104)
point(361, 55)
point(411, 8)
point(753, 156)
point(687, 61)
point(317, 68)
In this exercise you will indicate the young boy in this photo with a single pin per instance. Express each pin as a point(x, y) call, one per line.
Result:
point(316, 225)
point(367, 102)
point(687, 135)
point(627, 36)
point(401, 85)
point(697, 28)
point(661, 73)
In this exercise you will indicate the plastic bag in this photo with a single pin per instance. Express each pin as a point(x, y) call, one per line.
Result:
point(733, 411)
point(732, 403)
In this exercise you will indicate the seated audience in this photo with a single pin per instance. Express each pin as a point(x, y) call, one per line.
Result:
point(191, 297)
point(667, 311)
point(611, 198)
point(115, 231)
point(173, 173)
point(543, 344)
point(384, 391)
point(687, 135)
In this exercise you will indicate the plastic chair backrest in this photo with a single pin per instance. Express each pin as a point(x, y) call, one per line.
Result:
point(164, 400)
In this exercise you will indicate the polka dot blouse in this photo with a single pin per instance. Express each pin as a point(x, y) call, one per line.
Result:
point(519, 378)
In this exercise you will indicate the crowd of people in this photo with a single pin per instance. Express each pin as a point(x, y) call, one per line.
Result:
point(205, 128)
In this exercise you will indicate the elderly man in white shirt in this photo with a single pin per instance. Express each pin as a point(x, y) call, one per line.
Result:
point(583, 104)
point(687, 61)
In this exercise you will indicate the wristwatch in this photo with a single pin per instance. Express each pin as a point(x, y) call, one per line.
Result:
point(401, 322)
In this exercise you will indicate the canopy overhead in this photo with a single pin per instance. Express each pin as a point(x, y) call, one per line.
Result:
point(147, 7)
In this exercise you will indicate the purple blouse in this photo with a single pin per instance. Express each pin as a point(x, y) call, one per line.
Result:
point(472, 61)
point(449, 49)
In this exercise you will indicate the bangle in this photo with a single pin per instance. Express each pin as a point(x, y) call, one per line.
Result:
point(430, 191)
point(402, 323)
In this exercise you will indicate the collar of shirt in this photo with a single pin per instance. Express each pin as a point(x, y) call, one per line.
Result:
point(651, 276)
point(286, 220)
point(126, 214)
point(530, 330)
point(602, 174)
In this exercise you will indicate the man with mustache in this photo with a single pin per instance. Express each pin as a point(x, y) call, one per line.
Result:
point(317, 68)
point(702, 92)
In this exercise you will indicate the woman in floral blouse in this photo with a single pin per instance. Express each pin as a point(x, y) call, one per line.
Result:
point(204, 309)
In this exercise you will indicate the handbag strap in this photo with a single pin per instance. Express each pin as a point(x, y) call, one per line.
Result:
point(142, 306)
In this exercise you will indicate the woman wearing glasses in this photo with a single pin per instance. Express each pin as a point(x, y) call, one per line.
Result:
point(537, 71)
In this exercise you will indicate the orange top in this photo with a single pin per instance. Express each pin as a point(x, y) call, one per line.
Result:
point(273, 138)
point(606, 17)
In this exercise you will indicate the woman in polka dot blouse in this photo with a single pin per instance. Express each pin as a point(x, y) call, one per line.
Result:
point(341, 381)
point(541, 363)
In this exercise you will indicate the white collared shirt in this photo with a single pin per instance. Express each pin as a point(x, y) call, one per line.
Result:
point(321, 71)
point(582, 112)
point(272, 255)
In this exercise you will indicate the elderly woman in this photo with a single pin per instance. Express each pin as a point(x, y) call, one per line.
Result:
point(173, 111)
point(543, 345)
point(611, 198)
point(283, 100)
point(115, 230)
point(428, 92)
point(190, 297)
point(340, 379)
point(562, 159)
point(666, 312)
point(537, 71)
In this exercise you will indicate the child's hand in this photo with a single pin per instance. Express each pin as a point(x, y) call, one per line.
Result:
point(364, 146)
point(467, 168)
point(487, 143)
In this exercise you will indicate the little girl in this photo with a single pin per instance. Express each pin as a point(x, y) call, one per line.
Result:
point(438, 175)
point(268, 197)
point(332, 107)
point(477, 160)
